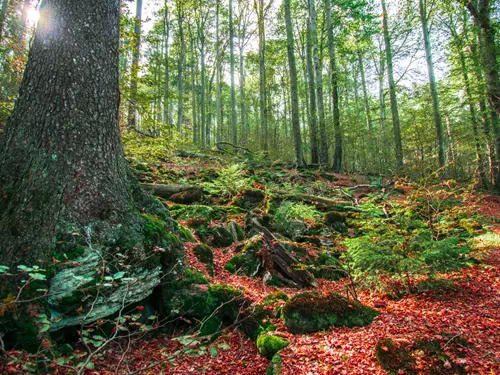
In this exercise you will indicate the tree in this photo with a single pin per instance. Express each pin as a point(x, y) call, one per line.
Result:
point(337, 155)
point(299, 158)
point(234, 137)
point(63, 175)
point(392, 89)
point(135, 66)
point(480, 11)
point(432, 83)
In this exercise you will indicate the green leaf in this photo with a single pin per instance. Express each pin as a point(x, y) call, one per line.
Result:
point(213, 351)
point(37, 276)
point(118, 275)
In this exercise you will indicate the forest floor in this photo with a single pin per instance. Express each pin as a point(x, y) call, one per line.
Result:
point(462, 314)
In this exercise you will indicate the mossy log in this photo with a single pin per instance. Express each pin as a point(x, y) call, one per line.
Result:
point(280, 263)
point(167, 191)
point(321, 203)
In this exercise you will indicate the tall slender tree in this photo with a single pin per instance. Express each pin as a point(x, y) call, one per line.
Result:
point(299, 158)
point(392, 88)
point(432, 83)
point(134, 71)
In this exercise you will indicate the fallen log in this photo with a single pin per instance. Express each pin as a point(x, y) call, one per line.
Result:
point(176, 193)
point(280, 263)
point(321, 203)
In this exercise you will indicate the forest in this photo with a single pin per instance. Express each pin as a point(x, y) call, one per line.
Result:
point(249, 187)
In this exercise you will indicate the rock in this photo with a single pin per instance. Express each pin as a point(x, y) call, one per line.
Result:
point(268, 346)
point(311, 312)
point(247, 263)
point(205, 255)
point(222, 236)
point(248, 199)
point(78, 296)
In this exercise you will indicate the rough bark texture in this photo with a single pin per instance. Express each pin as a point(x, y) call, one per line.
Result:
point(63, 176)
point(259, 7)
point(180, 68)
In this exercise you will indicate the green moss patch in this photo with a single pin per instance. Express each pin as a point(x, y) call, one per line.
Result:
point(311, 312)
point(268, 346)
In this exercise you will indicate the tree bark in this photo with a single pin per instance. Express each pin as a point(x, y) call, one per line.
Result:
point(299, 158)
point(134, 70)
point(392, 89)
point(313, 115)
point(260, 10)
point(234, 134)
point(166, 104)
point(323, 151)
point(337, 156)
point(480, 11)
point(3, 14)
point(433, 86)
point(180, 68)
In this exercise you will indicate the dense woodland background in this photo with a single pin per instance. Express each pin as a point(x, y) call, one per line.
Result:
point(378, 84)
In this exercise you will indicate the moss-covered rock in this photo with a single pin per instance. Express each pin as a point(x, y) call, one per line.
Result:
point(222, 237)
point(423, 356)
point(204, 254)
point(311, 312)
point(268, 346)
point(255, 320)
point(247, 263)
point(275, 297)
point(328, 266)
point(185, 234)
point(248, 199)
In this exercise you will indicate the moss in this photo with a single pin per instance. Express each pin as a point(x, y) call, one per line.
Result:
point(185, 234)
point(228, 301)
point(275, 367)
point(248, 262)
point(204, 253)
point(268, 346)
point(192, 276)
point(255, 321)
point(327, 266)
point(402, 357)
point(275, 297)
point(392, 357)
point(211, 326)
point(221, 236)
point(311, 312)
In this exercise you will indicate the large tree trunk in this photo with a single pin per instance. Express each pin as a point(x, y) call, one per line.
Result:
point(63, 176)
point(433, 86)
point(134, 70)
point(392, 89)
point(299, 158)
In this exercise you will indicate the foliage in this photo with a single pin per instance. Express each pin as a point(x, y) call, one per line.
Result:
point(288, 215)
point(230, 182)
point(424, 235)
